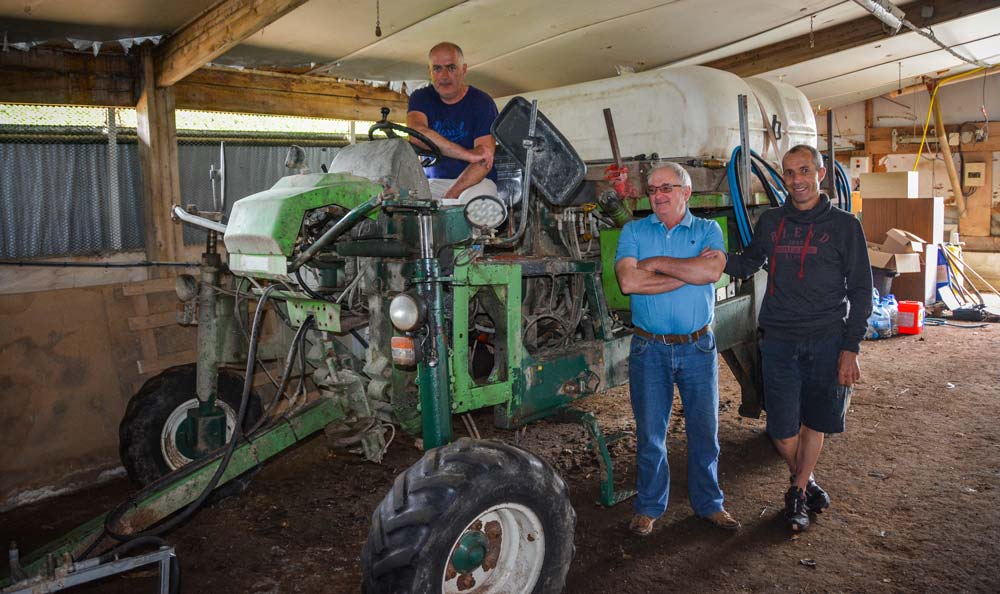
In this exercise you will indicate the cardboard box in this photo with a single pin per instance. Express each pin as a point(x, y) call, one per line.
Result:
point(901, 263)
point(899, 241)
point(894, 184)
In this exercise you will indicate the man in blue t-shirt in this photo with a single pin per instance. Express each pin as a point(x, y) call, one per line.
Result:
point(457, 118)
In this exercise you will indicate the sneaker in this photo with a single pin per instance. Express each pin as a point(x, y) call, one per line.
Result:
point(796, 512)
point(816, 498)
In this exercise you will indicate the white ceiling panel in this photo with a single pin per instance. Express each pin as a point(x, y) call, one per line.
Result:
point(323, 30)
point(517, 45)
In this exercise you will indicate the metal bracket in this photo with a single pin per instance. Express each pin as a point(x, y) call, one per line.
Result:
point(82, 572)
point(599, 443)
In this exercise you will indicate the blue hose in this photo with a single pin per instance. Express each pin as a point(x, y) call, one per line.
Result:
point(774, 187)
point(843, 186)
point(739, 206)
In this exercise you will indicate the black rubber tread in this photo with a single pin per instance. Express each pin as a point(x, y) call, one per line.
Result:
point(430, 503)
point(147, 411)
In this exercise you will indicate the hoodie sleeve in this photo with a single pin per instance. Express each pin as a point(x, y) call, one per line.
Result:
point(749, 261)
point(858, 275)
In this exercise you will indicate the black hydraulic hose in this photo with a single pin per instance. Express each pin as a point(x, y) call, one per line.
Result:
point(339, 228)
point(170, 524)
point(357, 335)
point(286, 374)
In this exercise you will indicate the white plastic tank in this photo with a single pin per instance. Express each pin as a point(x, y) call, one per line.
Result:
point(687, 111)
point(798, 123)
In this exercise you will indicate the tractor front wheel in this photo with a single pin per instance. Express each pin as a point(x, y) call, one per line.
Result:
point(472, 516)
point(147, 436)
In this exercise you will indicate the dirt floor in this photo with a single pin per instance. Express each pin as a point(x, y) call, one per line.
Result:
point(915, 483)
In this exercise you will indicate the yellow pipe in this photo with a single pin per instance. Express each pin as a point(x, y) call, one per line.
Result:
point(927, 120)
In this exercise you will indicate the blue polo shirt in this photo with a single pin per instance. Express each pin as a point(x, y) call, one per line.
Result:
point(688, 308)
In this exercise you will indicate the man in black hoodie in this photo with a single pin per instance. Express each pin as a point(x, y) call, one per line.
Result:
point(812, 321)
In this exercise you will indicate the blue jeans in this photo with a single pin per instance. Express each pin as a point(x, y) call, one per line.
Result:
point(654, 368)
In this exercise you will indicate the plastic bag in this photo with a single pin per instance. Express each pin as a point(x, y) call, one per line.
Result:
point(892, 306)
point(880, 321)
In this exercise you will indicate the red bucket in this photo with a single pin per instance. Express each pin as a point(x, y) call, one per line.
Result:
point(911, 317)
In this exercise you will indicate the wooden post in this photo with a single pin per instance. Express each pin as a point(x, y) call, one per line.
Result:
point(157, 133)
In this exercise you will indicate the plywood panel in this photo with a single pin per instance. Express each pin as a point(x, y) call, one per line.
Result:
point(923, 217)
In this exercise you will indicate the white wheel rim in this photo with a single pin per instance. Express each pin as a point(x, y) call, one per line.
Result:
point(168, 437)
point(521, 554)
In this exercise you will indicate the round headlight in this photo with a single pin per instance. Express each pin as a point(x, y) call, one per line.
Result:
point(406, 312)
point(485, 212)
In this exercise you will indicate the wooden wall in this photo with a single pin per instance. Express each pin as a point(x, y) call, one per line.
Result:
point(69, 361)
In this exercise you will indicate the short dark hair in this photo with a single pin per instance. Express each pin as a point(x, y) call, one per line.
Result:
point(817, 157)
point(449, 46)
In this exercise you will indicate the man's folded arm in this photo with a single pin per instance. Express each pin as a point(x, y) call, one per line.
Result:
point(634, 281)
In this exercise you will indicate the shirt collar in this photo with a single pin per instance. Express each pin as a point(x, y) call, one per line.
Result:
point(685, 222)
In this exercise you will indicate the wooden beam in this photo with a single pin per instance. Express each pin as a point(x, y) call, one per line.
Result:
point(880, 140)
point(214, 89)
point(841, 37)
point(213, 33)
point(109, 80)
point(157, 132)
point(63, 78)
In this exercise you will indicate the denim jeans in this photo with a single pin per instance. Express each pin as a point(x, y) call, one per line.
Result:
point(654, 369)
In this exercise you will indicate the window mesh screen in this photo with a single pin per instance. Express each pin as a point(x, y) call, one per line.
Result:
point(70, 181)
point(67, 189)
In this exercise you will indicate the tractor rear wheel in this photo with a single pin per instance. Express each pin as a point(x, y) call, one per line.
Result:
point(472, 516)
point(147, 435)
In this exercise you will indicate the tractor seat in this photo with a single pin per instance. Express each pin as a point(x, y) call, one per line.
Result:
point(390, 162)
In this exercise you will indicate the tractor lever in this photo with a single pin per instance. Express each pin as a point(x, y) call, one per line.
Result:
point(178, 213)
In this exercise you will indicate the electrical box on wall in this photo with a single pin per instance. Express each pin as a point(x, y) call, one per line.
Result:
point(975, 175)
point(860, 165)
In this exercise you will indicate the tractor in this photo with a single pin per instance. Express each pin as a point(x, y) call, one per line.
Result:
point(405, 315)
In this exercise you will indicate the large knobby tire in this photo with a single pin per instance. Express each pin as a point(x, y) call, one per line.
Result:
point(146, 433)
point(507, 500)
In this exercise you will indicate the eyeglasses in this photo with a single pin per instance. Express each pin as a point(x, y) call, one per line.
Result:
point(664, 189)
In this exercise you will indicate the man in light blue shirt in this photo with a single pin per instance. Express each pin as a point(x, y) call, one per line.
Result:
point(668, 263)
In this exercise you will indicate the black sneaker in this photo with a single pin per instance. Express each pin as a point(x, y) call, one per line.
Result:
point(796, 512)
point(816, 498)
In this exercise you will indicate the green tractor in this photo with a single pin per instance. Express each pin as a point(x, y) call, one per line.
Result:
point(405, 314)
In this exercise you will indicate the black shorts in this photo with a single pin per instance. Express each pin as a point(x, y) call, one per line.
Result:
point(801, 386)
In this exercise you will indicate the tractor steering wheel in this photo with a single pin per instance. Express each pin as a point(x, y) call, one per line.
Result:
point(428, 156)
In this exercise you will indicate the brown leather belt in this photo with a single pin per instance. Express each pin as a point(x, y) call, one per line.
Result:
point(673, 338)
